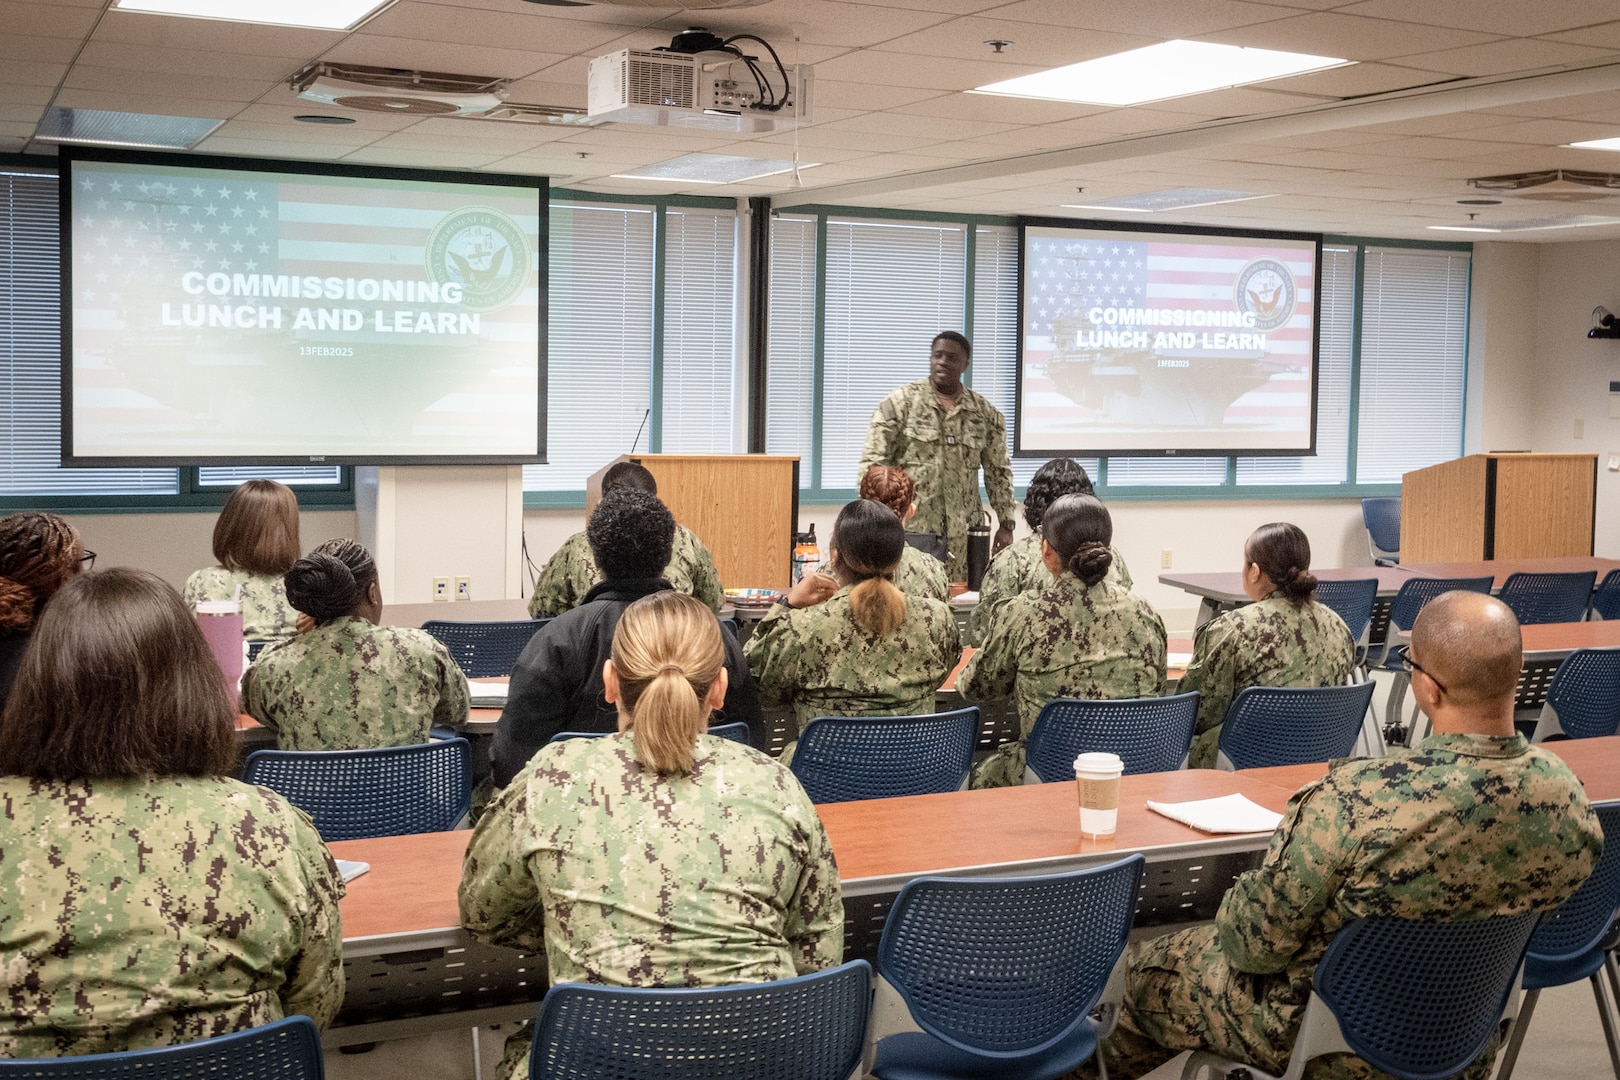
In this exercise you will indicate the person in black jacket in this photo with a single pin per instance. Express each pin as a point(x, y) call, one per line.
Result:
point(557, 682)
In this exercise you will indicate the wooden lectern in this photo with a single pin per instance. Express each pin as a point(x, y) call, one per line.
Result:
point(744, 507)
point(1499, 506)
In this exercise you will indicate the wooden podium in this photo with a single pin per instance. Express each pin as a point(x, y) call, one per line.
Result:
point(744, 507)
point(1499, 506)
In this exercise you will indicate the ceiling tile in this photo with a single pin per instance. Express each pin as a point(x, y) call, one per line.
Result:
point(420, 159)
point(49, 50)
point(200, 87)
point(530, 29)
point(377, 51)
point(214, 35)
point(1332, 34)
point(1036, 48)
point(186, 63)
point(47, 20)
point(814, 22)
point(1501, 57)
point(33, 73)
point(925, 127)
point(1490, 16)
point(1161, 20)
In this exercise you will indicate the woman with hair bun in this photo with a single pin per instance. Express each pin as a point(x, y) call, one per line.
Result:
point(919, 574)
point(1285, 638)
point(38, 554)
point(256, 542)
point(659, 855)
point(853, 644)
point(350, 684)
point(1083, 636)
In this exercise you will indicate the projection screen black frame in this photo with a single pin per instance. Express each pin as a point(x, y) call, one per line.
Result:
point(1126, 228)
point(72, 154)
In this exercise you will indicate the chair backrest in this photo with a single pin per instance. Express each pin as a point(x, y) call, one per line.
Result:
point(1606, 601)
point(287, 1049)
point(1585, 693)
point(1548, 598)
point(1419, 1000)
point(806, 1028)
point(1351, 601)
point(1149, 734)
point(847, 758)
point(1271, 725)
point(354, 794)
point(1006, 965)
point(1415, 593)
point(485, 649)
point(1382, 517)
point(1582, 921)
point(736, 731)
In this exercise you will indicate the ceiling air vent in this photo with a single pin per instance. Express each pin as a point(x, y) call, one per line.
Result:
point(399, 90)
point(1552, 185)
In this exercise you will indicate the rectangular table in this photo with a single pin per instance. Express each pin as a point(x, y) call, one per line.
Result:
point(1546, 645)
point(1501, 568)
point(1222, 590)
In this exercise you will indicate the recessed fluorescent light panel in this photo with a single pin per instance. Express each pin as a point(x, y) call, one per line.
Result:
point(1580, 221)
point(1596, 144)
point(712, 169)
point(99, 127)
point(1168, 70)
point(1150, 202)
point(314, 14)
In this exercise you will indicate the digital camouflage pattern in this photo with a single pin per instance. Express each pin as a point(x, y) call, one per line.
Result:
point(143, 913)
point(352, 685)
point(919, 574)
point(819, 662)
point(1067, 640)
point(571, 573)
point(1018, 569)
point(267, 615)
point(1460, 827)
point(942, 452)
point(626, 878)
point(1274, 642)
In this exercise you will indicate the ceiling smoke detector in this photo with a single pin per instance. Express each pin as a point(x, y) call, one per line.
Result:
point(1552, 185)
point(398, 90)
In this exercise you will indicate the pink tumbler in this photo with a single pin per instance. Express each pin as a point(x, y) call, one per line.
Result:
point(221, 624)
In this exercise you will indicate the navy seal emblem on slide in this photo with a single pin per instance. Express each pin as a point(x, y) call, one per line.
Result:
point(483, 251)
point(1265, 288)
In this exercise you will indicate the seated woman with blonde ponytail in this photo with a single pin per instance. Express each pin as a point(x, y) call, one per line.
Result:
point(660, 855)
point(853, 644)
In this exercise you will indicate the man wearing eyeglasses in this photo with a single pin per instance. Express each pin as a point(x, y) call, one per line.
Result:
point(1470, 823)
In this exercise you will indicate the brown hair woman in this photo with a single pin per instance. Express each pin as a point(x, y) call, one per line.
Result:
point(256, 542)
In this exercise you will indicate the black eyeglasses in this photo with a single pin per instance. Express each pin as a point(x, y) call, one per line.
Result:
point(88, 559)
point(1403, 656)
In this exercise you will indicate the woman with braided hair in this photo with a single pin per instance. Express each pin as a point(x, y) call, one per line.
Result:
point(350, 684)
point(1285, 638)
point(38, 553)
point(1082, 636)
point(919, 574)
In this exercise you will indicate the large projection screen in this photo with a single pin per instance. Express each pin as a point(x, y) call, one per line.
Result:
point(230, 311)
point(1165, 341)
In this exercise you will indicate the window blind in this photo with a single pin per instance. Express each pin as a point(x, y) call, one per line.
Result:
point(700, 321)
point(30, 356)
point(790, 342)
point(891, 286)
point(291, 475)
point(1413, 338)
point(600, 340)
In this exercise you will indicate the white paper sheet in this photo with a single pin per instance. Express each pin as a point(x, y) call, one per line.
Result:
point(1227, 814)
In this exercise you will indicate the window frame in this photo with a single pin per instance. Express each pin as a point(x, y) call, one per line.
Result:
point(1229, 489)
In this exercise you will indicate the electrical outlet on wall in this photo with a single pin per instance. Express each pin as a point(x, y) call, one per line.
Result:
point(463, 587)
point(441, 589)
point(1580, 428)
point(1164, 559)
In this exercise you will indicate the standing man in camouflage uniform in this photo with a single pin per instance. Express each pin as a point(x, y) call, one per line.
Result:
point(1473, 822)
point(942, 433)
point(1083, 636)
point(1285, 638)
point(571, 572)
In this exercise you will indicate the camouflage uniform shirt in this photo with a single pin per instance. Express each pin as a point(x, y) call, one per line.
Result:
point(143, 913)
point(817, 659)
point(1018, 569)
point(919, 574)
point(1274, 642)
point(943, 452)
point(718, 877)
point(1459, 827)
point(352, 685)
point(266, 613)
point(571, 573)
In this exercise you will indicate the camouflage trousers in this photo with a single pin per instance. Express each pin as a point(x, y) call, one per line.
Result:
point(1004, 768)
point(1205, 749)
point(1180, 994)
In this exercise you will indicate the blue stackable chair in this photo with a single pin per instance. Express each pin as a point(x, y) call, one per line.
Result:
point(1353, 602)
point(1412, 597)
point(806, 1028)
point(998, 977)
point(736, 731)
point(1382, 517)
point(1548, 598)
point(485, 650)
point(1149, 734)
point(1583, 699)
point(354, 794)
point(1273, 725)
point(1569, 944)
point(847, 758)
point(1606, 600)
point(287, 1049)
point(1419, 1000)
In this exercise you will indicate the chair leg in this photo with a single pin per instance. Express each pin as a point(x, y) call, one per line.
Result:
point(1606, 1014)
point(1516, 1039)
point(1611, 964)
point(478, 1058)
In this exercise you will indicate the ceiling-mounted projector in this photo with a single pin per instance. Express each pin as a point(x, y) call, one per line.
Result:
point(700, 81)
point(397, 90)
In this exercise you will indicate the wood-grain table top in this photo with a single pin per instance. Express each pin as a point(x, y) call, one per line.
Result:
point(1553, 641)
point(1226, 586)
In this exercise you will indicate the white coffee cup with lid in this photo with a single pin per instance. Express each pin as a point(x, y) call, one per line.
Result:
point(1096, 775)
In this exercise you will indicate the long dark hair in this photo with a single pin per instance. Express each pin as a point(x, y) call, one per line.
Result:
point(1079, 529)
point(869, 540)
point(1283, 554)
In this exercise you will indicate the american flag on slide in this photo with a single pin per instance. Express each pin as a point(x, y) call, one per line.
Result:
point(1066, 277)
